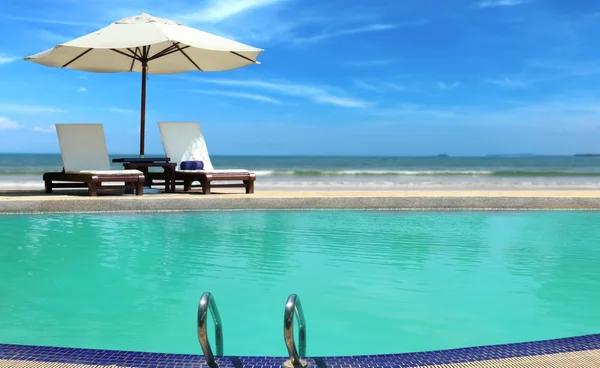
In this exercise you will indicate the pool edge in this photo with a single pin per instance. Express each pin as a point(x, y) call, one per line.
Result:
point(418, 359)
point(179, 203)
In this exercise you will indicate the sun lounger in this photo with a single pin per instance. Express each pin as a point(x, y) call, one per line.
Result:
point(185, 142)
point(86, 163)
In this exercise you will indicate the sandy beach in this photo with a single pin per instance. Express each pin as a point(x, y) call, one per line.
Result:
point(72, 194)
point(67, 201)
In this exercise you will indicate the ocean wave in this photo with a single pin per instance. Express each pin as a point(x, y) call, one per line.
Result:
point(499, 173)
point(406, 173)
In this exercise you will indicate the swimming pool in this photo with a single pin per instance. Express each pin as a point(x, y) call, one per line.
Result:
point(371, 282)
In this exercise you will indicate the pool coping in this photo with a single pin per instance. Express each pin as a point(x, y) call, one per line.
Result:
point(415, 200)
point(417, 359)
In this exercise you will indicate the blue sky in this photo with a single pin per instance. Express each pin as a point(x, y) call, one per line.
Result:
point(411, 77)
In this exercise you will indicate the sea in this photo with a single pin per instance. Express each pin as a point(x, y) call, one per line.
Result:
point(518, 172)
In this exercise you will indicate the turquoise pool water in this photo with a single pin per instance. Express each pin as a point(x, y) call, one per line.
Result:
point(370, 282)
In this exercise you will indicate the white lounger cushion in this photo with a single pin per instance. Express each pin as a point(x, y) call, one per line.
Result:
point(185, 142)
point(108, 172)
point(83, 150)
point(227, 171)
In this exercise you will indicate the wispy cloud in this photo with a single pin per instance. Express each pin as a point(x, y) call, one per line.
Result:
point(319, 94)
point(51, 21)
point(346, 32)
point(566, 67)
point(219, 10)
point(7, 124)
point(247, 96)
point(559, 111)
point(379, 86)
point(340, 101)
point(500, 3)
point(268, 22)
point(82, 89)
point(52, 37)
point(5, 59)
point(509, 83)
point(47, 129)
point(443, 85)
point(29, 109)
point(371, 63)
point(118, 110)
point(431, 112)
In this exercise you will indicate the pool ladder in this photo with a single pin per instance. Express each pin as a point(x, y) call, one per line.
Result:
point(207, 302)
point(293, 308)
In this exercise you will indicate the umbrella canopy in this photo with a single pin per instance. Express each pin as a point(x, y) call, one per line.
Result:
point(148, 44)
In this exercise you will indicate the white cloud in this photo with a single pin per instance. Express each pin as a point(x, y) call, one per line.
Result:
point(500, 3)
point(248, 96)
point(317, 94)
point(260, 23)
point(5, 59)
point(50, 21)
point(379, 86)
point(347, 32)
point(220, 10)
point(29, 109)
point(48, 129)
point(7, 124)
point(256, 22)
point(558, 112)
point(340, 101)
point(509, 83)
point(52, 37)
point(82, 89)
point(118, 110)
point(443, 85)
point(371, 63)
point(566, 67)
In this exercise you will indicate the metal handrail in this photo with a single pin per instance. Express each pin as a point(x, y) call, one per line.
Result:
point(207, 302)
point(294, 307)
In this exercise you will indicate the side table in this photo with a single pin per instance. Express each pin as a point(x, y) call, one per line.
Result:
point(168, 172)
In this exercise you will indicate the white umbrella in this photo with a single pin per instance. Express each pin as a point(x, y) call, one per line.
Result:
point(147, 44)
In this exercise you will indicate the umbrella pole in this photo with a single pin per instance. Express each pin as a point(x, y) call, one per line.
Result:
point(143, 108)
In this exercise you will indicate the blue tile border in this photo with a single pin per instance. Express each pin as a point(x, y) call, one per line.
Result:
point(419, 359)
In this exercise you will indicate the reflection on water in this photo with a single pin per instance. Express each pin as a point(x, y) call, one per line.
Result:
point(370, 282)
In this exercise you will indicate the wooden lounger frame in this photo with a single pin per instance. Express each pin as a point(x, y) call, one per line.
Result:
point(206, 180)
point(93, 182)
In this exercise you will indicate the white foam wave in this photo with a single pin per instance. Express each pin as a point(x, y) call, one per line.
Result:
point(356, 172)
point(400, 183)
point(264, 172)
point(25, 184)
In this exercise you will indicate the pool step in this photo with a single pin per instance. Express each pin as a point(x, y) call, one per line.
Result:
point(293, 308)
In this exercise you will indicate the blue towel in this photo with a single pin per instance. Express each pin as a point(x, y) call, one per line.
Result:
point(191, 165)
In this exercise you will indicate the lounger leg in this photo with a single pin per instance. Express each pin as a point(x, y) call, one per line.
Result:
point(48, 186)
point(129, 187)
point(92, 189)
point(139, 188)
point(172, 179)
point(206, 187)
point(249, 186)
point(187, 185)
